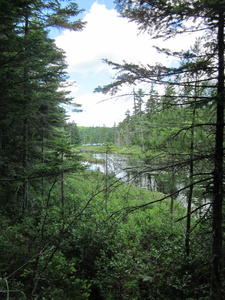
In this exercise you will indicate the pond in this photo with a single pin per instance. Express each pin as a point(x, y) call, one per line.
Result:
point(121, 167)
point(131, 170)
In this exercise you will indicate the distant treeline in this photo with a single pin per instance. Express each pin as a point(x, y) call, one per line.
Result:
point(90, 135)
point(96, 135)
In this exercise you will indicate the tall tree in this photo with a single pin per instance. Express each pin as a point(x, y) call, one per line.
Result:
point(32, 69)
point(35, 152)
point(166, 19)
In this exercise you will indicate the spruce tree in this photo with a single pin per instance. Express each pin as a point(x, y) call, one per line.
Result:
point(35, 152)
point(166, 19)
point(32, 70)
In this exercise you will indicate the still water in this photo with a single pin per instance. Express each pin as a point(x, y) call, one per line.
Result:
point(121, 167)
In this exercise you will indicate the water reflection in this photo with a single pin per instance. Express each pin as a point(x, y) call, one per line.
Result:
point(121, 167)
point(166, 182)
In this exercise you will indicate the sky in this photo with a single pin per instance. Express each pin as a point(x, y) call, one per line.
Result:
point(105, 36)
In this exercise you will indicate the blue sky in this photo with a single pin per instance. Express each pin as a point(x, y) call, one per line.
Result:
point(86, 4)
point(106, 35)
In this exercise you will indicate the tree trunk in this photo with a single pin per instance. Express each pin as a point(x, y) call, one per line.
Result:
point(190, 192)
point(25, 128)
point(25, 165)
point(217, 238)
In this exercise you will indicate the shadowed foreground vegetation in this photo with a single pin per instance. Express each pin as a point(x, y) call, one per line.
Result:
point(96, 244)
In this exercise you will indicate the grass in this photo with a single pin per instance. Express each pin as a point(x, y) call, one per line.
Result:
point(127, 150)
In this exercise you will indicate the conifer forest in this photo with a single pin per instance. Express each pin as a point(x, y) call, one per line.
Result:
point(72, 232)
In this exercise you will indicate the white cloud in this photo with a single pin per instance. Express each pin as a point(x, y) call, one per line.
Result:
point(99, 109)
point(107, 35)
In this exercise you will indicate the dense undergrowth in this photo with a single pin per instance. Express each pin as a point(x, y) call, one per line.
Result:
point(93, 242)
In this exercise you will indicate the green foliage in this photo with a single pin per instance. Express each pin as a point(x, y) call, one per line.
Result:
point(181, 132)
point(74, 134)
point(96, 135)
point(32, 72)
point(81, 248)
point(69, 233)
